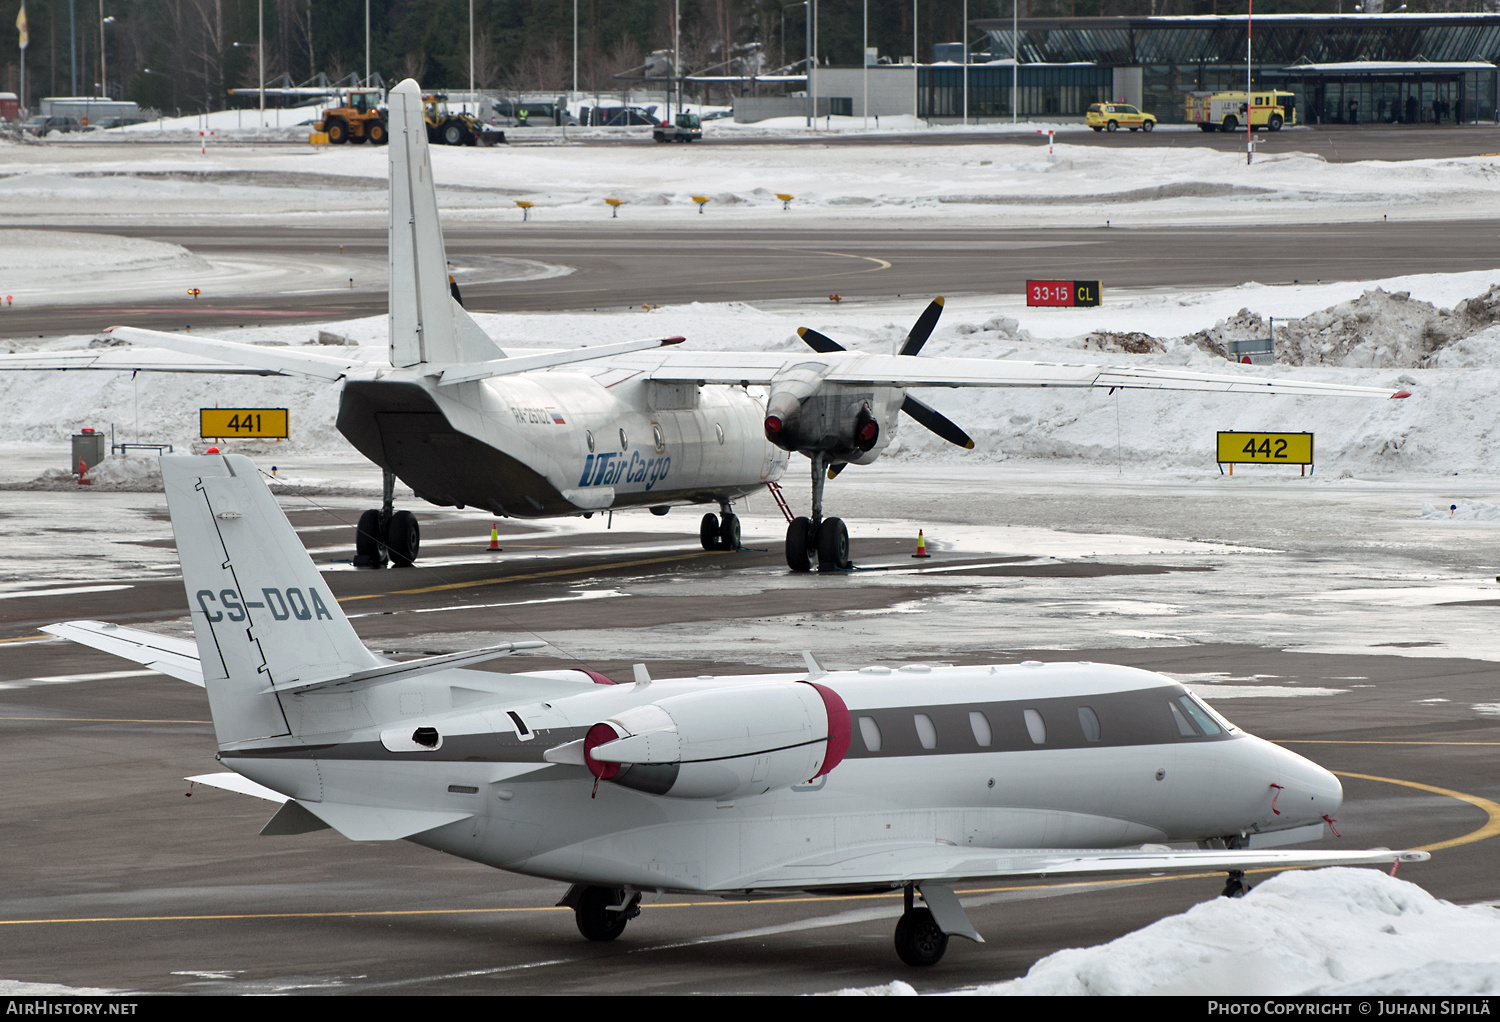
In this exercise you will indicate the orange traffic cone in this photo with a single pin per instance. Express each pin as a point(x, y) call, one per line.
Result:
point(921, 545)
point(83, 474)
point(495, 536)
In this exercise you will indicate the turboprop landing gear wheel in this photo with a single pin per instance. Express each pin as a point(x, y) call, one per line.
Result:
point(801, 544)
point(593, 913)
point(403, 538)
point(729, 532)
point(708, 531)
point(833, 545)
point(369, 552)
point(919, 942)
point(1235, 886)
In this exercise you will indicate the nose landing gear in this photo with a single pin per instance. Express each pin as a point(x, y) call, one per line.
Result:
point(827, 539)
point(385, 534)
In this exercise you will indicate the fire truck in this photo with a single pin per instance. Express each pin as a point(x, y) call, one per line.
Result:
point(1228, 111)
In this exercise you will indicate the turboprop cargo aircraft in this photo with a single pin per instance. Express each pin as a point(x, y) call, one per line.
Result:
point(632, 424)
point(914, 779)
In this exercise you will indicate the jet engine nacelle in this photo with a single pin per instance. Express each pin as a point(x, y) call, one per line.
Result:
point(849, 422)
point(724, 744)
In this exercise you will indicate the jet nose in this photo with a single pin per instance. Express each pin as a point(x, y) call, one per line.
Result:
point(1308, 792)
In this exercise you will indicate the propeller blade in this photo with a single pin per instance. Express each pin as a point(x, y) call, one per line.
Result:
point(937, 422)
point(834, 470)
point(922, 329)
point(821, 343)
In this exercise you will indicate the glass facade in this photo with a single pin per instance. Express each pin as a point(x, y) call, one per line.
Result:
point(1045, 90)
point(1204, 53)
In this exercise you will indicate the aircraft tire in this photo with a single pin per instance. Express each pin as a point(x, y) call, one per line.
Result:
point(403, 538)
point(592, 914)
point(800, 544)
point(368, 551)
point(729, 533)
point(708, 531)
point(919, 942)
point(833, 545)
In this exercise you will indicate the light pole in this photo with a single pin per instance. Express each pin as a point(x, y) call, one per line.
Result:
point(864, 58)
point(73, 47)
point(103, 72)
point(367, 42)
point(966, 62)
point(471, 57)
point(916, 90)
point(575, 45)
point(260, 53)
point(176, 109)
point(1015, 59)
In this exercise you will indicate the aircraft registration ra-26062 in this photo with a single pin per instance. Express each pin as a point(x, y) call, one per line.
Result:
point(877, 780)
point(631, 424)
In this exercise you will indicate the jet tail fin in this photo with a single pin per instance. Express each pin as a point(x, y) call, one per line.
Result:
point(426, 324)
point(262, 615)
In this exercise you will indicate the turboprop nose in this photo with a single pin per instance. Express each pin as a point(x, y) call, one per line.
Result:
point(1308, 792)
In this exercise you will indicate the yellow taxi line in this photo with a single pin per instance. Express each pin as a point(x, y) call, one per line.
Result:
point(580, 570)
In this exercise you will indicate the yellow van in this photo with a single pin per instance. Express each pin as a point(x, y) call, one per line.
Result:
point(1114, 116)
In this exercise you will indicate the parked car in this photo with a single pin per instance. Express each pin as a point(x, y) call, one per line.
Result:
point(41, 125)
point(1114, 116)
point(617, 116)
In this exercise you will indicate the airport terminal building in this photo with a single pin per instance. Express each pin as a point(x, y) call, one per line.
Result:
point(1396, 68)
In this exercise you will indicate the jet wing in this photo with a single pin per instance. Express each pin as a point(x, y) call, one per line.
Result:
point(176, 658)
point(899, 864)
point(908, 371)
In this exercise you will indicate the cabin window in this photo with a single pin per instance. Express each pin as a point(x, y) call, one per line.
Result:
point(870, 732)
point(1183, 727)
point(926, 732)
point(1203, 720)
point(624, 440)
point(588, 435)
point(980, 725)
point(1089, 721)
point(1036, 727)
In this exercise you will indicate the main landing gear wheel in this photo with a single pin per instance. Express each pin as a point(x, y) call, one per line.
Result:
point(801, 544)
point(1235, 886)
point(403, 538)
point(833, 545)
point(919, 942)
point(369, 551)
point(597, 916)
point(385, 534)
point(720, 532)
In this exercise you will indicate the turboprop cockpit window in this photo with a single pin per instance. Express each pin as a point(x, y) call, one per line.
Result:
point(870, 732)
point(980, 724)
point(1089, 721)
point(1036, 727)
point(926, 731)
point(1200, 717)
point(1183, 727)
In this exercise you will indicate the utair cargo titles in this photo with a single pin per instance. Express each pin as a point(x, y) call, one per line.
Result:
point(610, 469)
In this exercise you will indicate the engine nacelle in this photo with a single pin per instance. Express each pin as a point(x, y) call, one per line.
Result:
point(723, 744)
point(845, 421)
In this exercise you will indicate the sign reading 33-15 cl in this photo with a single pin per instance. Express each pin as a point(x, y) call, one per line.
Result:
point(1062, 293)
point(262, 423)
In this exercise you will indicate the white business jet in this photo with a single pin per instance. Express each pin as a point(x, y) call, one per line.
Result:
point(914, 779)
point(622, 425)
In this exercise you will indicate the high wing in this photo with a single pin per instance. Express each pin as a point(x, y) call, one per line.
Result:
point(898, 864)
point(129, 359)
point(176, 658)
point(747, 368)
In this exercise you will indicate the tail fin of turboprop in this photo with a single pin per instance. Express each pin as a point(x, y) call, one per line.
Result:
point(263, 617)
point(426, 324)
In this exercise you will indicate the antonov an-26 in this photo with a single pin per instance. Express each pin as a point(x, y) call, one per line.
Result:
point(910, 779)
point(633, 424)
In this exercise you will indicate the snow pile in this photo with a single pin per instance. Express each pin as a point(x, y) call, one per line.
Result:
point(117, 473)
point(1463, 511)
point(1381, 330)
point(1327, 931)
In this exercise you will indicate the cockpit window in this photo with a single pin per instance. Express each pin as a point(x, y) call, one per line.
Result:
point(1215, 714)
point(1183, 727)
point(1200, 716)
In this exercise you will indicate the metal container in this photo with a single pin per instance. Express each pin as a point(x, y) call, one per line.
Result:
point(89, 448)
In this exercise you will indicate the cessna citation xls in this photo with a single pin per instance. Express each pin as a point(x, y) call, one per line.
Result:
point(914, 779)
point(623, 425)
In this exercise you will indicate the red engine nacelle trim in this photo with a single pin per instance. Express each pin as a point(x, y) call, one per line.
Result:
point(840, 729)
point(598, 735)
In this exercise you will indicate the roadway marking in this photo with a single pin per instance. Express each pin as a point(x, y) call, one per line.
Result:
point(1313, 741)
point(70, 590)
point(110, 720)
point(584, 569)
point(1491, 809)
point(69, 679)
point(32, 638)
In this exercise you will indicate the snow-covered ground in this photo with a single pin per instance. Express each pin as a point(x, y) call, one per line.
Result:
point(1011, 184)
point(1329, 932)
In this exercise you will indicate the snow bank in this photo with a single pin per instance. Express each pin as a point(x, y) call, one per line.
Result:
point(1327, 931)
point(1463, 511)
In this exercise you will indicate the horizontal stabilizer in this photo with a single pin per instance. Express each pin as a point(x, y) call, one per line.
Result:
point(260, 357)
point(546, 359)
point(239, 784)
point(176, 658)
point(408, 669)
point(378, 823)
